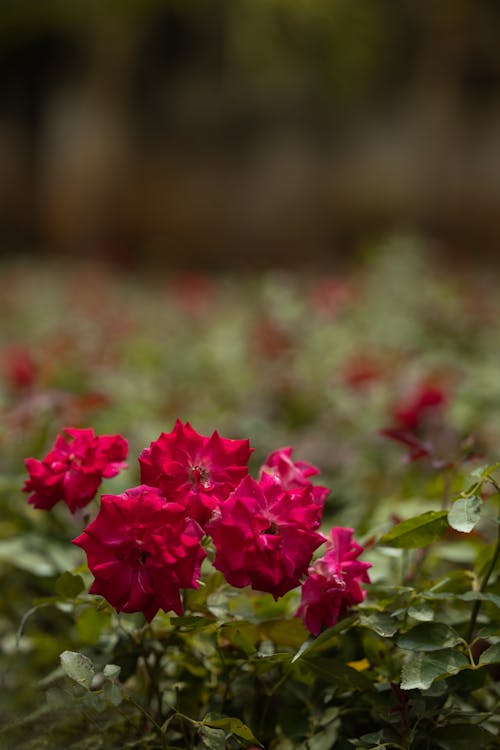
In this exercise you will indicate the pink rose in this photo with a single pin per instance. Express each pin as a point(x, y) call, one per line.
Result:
point(142, 550)
point(333, 583)
point(197, 471)
point(73, 469)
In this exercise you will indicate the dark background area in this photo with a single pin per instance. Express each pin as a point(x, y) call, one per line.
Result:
point(247, 133)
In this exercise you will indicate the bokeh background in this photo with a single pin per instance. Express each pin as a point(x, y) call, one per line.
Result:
point(243, 133)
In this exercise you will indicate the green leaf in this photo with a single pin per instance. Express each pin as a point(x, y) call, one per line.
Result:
point(421, 612)
point(90, 623)
point(111, 671)
point(462, 737)
point(243, 635)
point(483, 472)
point(491, 655)
point(22, 553)
point(213, 739)
point(68, 585)
point(465, 513)
point(325, 739)
point(421, 669)
point(429, 636)
point(191, 622)
point(113, 693)
point(489, 632)
point(418, 531)
point(78, 667)
point(290, 633)
point(381, 622)
point(231, 725)
point(326, 640)
point(336, 672)
point(381, 738)
point(483, 596)
point(455, 582)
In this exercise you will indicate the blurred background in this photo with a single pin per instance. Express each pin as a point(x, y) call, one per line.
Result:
point(247, 133)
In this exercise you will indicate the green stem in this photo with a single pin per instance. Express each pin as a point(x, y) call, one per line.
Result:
point(487, 575)
point(154, 687)
point(148, 716)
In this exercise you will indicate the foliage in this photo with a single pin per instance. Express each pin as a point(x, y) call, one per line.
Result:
point(320, 364)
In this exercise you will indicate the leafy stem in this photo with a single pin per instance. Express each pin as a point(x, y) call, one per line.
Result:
point(487, 575)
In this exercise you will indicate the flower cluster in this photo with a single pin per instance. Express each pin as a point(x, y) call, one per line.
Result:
point(145, 545)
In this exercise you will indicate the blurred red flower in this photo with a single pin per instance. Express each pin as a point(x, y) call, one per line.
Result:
point(411, 411)
point(20, 368)
point(413, 416)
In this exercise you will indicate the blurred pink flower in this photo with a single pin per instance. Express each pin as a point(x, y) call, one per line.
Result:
point(73, 469)
point(264, 535)
point(142, 550)
point(333, 583)
point(197, 471)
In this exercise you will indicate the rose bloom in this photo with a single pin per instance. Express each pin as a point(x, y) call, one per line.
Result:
point(73, 469)
point(264, 535)
point(333, 583)
point(142, 550)
point(294, 474)
point(195, 470)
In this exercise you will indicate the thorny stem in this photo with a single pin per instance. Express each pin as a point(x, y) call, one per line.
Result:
point(487, 575)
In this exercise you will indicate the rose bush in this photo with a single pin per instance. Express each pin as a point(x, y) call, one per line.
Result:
point(166, 652)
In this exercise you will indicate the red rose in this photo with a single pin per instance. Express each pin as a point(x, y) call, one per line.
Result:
point(333, 583)
point(293, 474)
point(195, 470)
point(264, 535)
point(142, 550)
point(72, 471)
